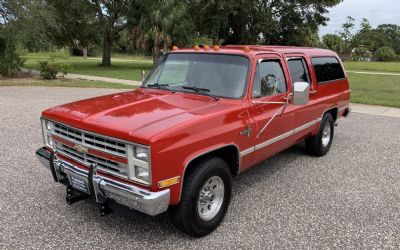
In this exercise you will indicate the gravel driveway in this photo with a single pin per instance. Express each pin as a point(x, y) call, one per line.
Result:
point(348, 199)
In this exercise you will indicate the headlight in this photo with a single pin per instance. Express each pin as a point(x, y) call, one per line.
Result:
point(141, 153)
point(48, 125)
point(139, 164)
point(46, 128)
point(142, 173)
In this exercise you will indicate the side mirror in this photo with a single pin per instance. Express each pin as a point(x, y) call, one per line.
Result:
point(300, 93)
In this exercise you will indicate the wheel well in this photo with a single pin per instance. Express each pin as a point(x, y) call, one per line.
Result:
point(230, 154)
point(333, 112)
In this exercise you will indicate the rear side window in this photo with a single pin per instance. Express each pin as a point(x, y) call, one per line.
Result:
point(298, 70)
point(327, 69)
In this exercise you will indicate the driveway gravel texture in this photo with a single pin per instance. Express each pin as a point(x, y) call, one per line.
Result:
point(349, 199)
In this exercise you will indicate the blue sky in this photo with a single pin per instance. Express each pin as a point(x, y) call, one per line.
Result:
point(376, 11)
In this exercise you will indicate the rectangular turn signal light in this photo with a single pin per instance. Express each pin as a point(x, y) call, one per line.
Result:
point(168, 182)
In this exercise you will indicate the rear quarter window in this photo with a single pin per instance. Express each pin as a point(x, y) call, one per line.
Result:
point(327, 69)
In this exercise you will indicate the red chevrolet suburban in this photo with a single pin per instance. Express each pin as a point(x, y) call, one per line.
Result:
point(202, 116)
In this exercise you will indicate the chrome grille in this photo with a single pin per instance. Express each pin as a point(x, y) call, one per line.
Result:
point(109, 166)
point(90, 140)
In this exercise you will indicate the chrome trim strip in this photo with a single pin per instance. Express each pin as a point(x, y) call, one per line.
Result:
point(273, 140)
point(247, 151)
point(304, 126)
point(279, 138)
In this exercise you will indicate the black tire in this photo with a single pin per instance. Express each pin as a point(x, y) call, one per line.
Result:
point(314, 144)
point(185, 216)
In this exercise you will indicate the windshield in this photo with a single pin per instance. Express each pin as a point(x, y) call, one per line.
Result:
point(211, 74)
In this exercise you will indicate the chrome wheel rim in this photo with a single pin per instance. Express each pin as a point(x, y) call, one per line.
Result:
point(326, 134)
point(211, 197)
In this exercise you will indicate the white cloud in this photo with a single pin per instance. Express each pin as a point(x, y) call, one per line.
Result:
point(377, 12)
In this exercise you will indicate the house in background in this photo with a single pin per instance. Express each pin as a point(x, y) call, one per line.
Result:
point(361, 53)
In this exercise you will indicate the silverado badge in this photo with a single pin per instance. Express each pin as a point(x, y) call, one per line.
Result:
point(81, 149)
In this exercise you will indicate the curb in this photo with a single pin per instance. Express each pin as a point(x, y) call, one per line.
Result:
point(375, 110)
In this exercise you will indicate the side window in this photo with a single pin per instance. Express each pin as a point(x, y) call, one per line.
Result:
point(269, 79)
point(298, 70)
point(327, 69)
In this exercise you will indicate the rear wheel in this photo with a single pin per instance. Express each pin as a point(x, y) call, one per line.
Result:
point(205, 198)
point(320, 144)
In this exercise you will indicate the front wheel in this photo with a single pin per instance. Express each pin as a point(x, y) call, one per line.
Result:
point(320, 144)
point(205, 197)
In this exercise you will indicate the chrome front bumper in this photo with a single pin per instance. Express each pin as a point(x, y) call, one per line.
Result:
point(103, 188)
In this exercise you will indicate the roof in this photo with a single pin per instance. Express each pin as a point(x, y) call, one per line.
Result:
point(253, 50)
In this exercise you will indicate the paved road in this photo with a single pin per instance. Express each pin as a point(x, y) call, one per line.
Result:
point(348, 199)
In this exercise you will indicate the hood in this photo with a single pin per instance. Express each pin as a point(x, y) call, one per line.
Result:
point(138, 114)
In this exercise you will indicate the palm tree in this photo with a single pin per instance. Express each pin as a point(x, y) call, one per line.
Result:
point(161, 24)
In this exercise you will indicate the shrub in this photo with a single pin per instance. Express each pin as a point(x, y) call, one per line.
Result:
point(49, 69)
point(385, 54)
point(10, 61)
point(64, 68)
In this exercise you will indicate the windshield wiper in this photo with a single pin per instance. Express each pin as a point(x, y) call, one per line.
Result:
point(202, 91)
point(160, 86)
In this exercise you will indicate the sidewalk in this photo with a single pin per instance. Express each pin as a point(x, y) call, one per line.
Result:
point(122, 60)
point(375, 110)
point(34, 72)
point(373, 73)
point(101, 78)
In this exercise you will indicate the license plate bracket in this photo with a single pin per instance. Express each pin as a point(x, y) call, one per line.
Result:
point(79, 184)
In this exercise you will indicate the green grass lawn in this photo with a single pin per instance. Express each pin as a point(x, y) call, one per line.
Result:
point(130, 70)
point(375, 89)
point(61, 83)
point(393, 67)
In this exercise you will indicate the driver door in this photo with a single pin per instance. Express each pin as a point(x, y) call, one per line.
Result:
point(270, 95)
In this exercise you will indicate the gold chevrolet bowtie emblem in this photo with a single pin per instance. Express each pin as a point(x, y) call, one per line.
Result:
point(81, 149)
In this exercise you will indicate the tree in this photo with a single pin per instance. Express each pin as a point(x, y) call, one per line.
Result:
point(34, 22)
point(346, 33)
point(333, 42)
point(10, 61)
point(365, 25)
point(385, 54)
point(78, 24)
point(159, 24)
point(263, 21)
point(392, 33)
point(112, 17)
point(373, 39)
